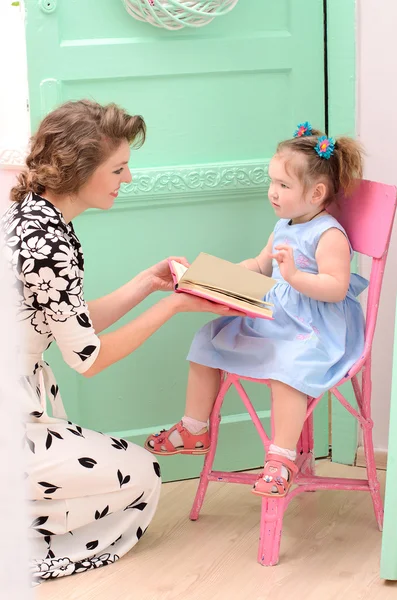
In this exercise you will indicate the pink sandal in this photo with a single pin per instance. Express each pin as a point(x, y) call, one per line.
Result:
point(192, 444)
point(271, 477)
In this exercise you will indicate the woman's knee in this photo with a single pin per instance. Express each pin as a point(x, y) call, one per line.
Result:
point(145, 465)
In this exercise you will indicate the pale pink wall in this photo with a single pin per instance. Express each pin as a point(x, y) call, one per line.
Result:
point(377, 128)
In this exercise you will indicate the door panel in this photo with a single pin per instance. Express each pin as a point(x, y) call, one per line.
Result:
point(216, 101)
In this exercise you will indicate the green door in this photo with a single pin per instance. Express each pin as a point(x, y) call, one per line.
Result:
point(216, 101)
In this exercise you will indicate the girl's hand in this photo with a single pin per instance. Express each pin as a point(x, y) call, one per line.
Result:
point(160, 277)
point(285, 258)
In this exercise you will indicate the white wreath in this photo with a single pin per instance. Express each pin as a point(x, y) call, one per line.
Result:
point(175, 14)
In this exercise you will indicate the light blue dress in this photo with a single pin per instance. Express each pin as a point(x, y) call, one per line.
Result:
point(310, 345)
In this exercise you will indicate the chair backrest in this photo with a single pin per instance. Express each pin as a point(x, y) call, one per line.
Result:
point(367, 216)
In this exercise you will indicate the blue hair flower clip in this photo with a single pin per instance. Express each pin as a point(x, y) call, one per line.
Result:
point(325, 147)
point(303, 129)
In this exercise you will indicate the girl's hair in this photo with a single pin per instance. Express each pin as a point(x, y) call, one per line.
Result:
point(340, 172)
point(71, 142)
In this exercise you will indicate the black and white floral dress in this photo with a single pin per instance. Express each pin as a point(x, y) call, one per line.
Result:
point(91, 497)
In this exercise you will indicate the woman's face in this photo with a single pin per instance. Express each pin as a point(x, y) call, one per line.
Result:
point(103, 186)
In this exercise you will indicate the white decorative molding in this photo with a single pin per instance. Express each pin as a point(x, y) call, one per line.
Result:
point(12, 157)
point(177, 184)
point(208, 182)
point(222, 177)
point(192, 183)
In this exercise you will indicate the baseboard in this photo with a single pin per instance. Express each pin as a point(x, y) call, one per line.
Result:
point(380, 458)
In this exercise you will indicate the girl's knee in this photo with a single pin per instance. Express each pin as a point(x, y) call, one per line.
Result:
point(202, 369)
point(279, 385)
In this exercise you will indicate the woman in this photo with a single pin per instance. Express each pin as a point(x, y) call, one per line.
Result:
point(92, 497)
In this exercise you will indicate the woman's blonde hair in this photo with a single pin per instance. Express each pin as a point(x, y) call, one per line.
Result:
point(71, 142)
point(341, 170)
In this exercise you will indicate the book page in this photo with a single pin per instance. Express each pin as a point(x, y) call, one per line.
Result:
point(179, 270)
point(220, 290)
point(218, 297)
point(228, 277)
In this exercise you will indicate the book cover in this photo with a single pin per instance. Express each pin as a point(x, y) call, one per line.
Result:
point(226, 283)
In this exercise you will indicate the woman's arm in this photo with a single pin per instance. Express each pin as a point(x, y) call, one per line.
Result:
point(110, 308)
point(120, 343)
point(263, 262)
point(57, 289)
point(333, 260)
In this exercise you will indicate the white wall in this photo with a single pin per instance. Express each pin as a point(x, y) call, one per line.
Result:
point(14, 116)
point(377, 128)
point(13, 138)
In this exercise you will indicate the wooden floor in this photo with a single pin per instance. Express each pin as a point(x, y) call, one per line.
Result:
point(330, 550)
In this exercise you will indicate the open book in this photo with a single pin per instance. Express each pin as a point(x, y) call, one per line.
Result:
point(225, 283)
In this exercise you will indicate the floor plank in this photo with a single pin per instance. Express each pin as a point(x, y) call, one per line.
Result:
point(330, 549)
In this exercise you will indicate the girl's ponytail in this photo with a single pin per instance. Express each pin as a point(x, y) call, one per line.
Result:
point(348, 154)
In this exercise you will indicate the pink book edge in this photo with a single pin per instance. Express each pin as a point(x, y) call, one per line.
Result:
point(248, 313)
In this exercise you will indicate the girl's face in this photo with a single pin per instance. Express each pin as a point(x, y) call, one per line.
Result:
point(102, 188)
point(287, 194)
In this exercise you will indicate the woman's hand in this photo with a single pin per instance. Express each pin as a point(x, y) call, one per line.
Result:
point(160, 275)
point(285, 258)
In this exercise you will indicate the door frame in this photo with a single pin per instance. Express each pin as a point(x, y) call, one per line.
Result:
point(340, 35)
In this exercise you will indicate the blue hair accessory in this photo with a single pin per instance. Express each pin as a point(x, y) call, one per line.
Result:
point(303, 129)
point(325, 147)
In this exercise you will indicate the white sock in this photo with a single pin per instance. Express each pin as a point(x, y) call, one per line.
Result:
point(192, 425)
point(290, 454)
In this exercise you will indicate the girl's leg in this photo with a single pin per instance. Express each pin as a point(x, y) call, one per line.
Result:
point(202, 390)
point(289, 412)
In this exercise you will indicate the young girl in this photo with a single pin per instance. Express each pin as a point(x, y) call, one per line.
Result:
point(318, 329)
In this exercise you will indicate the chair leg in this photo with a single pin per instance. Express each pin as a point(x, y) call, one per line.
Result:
point(215, 421)
point(369, 446)
point(374, 484)
point(305, 448)
point(272, 515)
point(272, 512)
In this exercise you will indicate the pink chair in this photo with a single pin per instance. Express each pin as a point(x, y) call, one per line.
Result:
point(367, 217)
